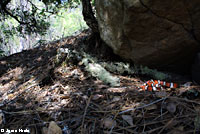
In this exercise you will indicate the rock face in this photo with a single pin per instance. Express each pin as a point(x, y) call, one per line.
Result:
point(158, 34)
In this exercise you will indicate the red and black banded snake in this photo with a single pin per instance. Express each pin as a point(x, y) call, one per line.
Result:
point(157, 85)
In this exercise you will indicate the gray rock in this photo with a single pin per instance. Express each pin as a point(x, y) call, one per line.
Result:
point(158, 34)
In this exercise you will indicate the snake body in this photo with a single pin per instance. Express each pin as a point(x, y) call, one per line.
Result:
point(157, 85)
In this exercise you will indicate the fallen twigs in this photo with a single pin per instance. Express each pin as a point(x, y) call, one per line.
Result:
point(80, 103)
point(131, 109)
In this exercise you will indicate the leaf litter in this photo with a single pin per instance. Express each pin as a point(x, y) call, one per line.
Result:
point(47, 93)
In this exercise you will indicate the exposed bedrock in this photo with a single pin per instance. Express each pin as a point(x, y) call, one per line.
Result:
point(155, 33)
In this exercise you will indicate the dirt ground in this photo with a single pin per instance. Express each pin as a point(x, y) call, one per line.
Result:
point(43, 95)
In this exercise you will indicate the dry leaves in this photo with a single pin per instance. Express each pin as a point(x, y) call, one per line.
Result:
point(108, 123)
point(161, 94)
point(151, 107)
point(2, 117)
point(44, 130)
point(197, 122)
point(178, 130)
point(64, 99)
point(128, 119)
point(97, 96)
point(171, 107)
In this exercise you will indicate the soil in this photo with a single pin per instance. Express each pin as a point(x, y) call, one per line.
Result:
point(36, 89)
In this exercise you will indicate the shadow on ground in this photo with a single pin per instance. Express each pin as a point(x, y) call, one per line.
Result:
point(37, 88)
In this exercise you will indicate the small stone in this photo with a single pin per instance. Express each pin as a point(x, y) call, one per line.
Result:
point(54, 128)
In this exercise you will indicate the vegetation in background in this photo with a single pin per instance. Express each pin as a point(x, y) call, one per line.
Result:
point(35, 22)
point(66, 23)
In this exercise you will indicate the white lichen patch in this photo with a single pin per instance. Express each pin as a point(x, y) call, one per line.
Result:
point(118, 67)
point(99, 72)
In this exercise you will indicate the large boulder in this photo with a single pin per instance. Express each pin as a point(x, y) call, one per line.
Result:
point(155, 33)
